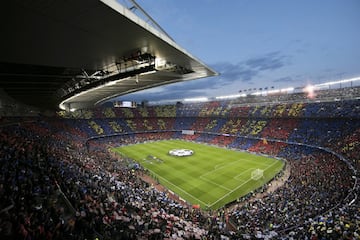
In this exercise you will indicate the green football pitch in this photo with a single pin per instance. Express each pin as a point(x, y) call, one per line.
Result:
point(211, 177)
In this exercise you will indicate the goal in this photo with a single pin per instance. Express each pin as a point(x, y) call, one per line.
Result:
point(257, 174)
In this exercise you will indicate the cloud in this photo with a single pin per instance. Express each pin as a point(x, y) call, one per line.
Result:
point(230, 72)
point(284, 79)
point(192, 85)
point(270, 61)
point(247, 70)
point(173, 91)
point(230, 75)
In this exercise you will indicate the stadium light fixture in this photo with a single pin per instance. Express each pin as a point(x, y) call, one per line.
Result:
point(273, 91)
point(231, 96)
point(337, 82)
point(310, 91)
point(267, 92)
point(287, 90)
point(160, 62)
point(257, 93)
point(199, 99)
point(111, 83)
point(147, 73)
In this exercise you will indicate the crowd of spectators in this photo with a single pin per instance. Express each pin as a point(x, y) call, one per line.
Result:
point(54, 186)
point(317, 183)
point(51, 192)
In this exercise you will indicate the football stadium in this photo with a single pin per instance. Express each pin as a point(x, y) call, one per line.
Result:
point(78, 163)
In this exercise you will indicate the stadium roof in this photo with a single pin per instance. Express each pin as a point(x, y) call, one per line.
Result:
point(76, 54)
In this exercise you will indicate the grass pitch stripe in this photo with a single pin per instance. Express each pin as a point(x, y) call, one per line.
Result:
point(214, 183)
point(211, 175)
point(177, 187)
point(238, 187)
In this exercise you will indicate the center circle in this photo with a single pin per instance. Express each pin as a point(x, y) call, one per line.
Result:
point(181, 152)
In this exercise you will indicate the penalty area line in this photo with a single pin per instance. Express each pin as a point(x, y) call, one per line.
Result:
point(214, 183)
point(179, 188)
point(212, 204)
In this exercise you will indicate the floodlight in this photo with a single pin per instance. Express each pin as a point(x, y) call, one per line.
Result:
point(231, 96)
point(199, 99)
point(290, 89)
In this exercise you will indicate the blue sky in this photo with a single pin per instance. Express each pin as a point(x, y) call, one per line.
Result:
point(259, 43)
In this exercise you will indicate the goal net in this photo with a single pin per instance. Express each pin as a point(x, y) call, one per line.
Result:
point(257, 174)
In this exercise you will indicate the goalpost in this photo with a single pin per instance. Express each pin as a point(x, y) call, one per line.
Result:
point(257, 174)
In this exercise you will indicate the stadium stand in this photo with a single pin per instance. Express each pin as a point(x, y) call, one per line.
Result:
point(58, 181)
